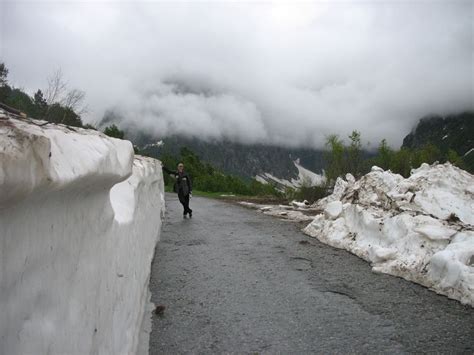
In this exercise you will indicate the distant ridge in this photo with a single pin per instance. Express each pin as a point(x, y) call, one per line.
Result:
point(454, 132)
point(239, 159)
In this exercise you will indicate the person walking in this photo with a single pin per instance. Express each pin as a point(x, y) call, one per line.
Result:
point(183, 186)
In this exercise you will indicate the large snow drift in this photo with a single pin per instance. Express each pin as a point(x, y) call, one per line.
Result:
point(79, 220)
point(420, 228)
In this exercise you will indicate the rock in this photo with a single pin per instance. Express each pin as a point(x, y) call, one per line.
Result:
point(160, 310)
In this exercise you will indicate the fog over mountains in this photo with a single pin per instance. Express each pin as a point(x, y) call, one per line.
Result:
point(261, 73)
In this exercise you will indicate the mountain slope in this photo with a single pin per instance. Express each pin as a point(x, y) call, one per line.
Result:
point(238, 159)
point(454, 132)
point(277, 163)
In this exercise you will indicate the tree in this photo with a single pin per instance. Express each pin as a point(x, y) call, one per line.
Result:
point(39, 99)
point(402, 162)
point(56, 88)
point(68, 106)
point(385, 155)
point(20, 100)
point(335, 158)
point(74, 101)
point(3, 74)
point(60, 114)
point(54, 92)
point(455, 159)
point(40, 104)
point(428, 154)
point(354, 154)
point(114, 131)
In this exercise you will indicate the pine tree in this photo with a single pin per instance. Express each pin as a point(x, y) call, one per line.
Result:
point(385, 155)
point(3, 74)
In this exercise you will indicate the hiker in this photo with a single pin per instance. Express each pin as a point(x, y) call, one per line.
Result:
point(183, 187)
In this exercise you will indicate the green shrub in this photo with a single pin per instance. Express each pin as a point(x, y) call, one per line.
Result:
point(114, 131)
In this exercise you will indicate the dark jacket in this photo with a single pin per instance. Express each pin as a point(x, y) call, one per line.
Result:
point(183, 184)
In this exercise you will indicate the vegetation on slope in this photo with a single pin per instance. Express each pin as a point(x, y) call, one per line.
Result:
point(207, 178)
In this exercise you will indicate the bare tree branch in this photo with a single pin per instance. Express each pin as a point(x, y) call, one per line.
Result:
point(74, 100)
point(56, 88)
point(71, 101)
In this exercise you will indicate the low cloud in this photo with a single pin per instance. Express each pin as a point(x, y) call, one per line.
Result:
point(276, 73)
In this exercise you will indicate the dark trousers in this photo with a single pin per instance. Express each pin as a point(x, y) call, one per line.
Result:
point(184, 199)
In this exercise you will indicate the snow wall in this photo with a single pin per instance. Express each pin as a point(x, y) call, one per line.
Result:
point(79, 220)
point(420, 228)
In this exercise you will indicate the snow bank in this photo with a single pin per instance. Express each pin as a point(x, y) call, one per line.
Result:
point(297, 211)
point(280, 184)
point(305, 178)
point(79, 220)
point(420, 228)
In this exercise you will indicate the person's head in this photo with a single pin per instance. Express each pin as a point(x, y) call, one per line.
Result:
point(180, 167)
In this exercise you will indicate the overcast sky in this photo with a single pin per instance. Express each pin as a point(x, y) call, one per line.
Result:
point(273, 72)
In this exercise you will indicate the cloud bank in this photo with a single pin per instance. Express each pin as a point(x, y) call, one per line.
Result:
point(276, 72)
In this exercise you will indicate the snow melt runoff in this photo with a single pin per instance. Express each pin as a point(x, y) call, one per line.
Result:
point(80, 216)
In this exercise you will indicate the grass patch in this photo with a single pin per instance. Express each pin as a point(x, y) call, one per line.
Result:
point(213, 194)
point(236, 197)
point(233, 197)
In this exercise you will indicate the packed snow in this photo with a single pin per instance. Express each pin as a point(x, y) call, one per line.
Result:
point(305, 178)
point(153, 145)
point(281, 184)
point(295, 211)
point(79, 219)
point(420, 228)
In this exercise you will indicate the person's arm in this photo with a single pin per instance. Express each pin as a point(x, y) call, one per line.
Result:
point(190, 184)
point(168, 171)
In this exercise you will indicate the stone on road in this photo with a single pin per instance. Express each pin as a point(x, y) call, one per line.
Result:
point(236, 281)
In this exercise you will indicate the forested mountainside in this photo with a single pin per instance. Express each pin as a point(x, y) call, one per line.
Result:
point(236, 158)
point(454, 132)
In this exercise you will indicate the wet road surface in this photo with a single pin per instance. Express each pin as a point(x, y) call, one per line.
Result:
point(236, 281)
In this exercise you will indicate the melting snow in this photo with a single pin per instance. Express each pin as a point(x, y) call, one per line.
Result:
point(420, 228)
point(79, 220)
point(305, 177)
